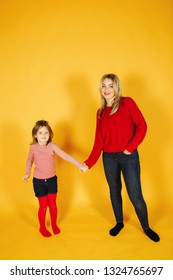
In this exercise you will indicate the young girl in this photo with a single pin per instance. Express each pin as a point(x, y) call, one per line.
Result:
point(120, 129)
point(41, 153)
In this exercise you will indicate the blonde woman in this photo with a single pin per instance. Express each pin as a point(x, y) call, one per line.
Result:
point(120, 129)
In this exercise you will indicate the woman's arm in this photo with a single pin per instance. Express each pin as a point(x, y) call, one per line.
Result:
point(98, 145)
point(139, 123)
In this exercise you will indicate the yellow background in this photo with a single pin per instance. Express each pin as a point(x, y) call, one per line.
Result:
point(53, 54)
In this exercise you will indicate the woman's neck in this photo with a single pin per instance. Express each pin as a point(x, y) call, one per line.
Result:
point(109, 104)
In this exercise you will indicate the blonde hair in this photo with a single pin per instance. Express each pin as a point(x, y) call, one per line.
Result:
point(37, 126)
point(118, 91)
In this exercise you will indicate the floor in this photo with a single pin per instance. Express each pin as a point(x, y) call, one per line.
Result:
point(84, 236)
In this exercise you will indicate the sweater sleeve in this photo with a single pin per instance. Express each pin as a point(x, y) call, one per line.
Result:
point(29, 161)
point(139, 123)
point(98, 145)
point(58, 151)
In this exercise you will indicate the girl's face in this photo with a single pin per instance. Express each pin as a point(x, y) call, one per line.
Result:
point(108, 90)
point(42, 135)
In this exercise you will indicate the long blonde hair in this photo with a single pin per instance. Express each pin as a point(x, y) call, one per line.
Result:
point(117, 88)
point(39, 124)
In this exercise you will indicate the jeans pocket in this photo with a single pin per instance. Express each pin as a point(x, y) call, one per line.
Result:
point(132, 155)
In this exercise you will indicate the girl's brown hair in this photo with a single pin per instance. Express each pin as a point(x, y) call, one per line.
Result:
point(35, 129)
point(117, 88)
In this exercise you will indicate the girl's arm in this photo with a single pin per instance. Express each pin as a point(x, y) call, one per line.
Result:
point(66, 156)
point(29, 163)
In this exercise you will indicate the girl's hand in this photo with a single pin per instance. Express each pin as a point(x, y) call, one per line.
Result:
point(83, 168)
point(25, 178)
point(126, 152)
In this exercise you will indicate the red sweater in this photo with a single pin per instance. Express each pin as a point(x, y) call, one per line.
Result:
point(124, 130)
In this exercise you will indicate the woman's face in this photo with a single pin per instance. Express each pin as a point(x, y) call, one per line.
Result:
point(108, 90)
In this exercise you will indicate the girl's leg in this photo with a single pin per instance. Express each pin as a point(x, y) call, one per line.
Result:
point(53, 212)
point(42, 215)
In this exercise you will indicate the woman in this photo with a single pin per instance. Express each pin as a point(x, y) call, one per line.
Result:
point(120, 129)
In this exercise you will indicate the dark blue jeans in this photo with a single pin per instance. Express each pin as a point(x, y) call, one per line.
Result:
point(129, 166)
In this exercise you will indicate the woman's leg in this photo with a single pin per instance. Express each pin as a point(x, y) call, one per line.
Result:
point(53, 212)
point(131, 172)
point(113, 176)
point(42, 215)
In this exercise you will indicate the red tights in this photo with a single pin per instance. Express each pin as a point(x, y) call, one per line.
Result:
point(44, 202)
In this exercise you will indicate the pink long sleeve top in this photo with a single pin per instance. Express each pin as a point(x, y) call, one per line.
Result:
point(123, 130)
point(43, 157)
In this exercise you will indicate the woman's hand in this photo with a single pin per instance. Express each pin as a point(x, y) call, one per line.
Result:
point(126, 152)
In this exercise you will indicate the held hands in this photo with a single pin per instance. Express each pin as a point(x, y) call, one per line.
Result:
point(83, 167)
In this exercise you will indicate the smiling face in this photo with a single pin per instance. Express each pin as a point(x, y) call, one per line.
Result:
point(42, 135)
point(108, 90)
